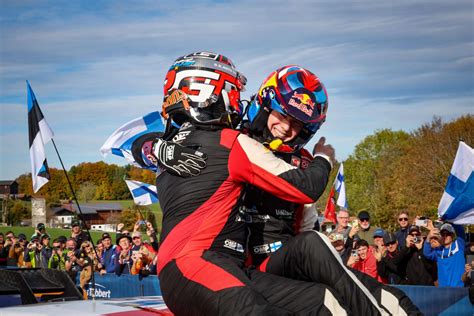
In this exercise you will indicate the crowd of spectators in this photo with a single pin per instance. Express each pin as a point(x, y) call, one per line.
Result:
point(420, 252)
point(76, 254)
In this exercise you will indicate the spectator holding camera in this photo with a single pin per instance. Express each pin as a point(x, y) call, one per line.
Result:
point(467, 275)
point(39, 231)
point(58, 256)
point(363, 260)
point(17, 252)
point(418, 269)
point(33, 255)
point(137, 242)
point(366, 231)
point(123, 260)
point(449, 256)
point(143, 262)
point(5, 247)
point(72, 257)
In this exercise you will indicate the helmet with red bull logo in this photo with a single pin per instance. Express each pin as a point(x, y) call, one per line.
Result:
point(204, 87)
point(292, 91)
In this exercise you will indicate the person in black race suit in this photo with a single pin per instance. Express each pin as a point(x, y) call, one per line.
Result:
point(201, 257)
point(280, 223)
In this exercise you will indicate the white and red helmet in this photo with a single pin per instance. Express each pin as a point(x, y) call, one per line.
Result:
point(211, 86)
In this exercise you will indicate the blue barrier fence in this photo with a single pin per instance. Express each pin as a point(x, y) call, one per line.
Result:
point(431, 300)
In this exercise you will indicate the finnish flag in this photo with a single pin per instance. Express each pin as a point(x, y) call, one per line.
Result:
point(457, 202)
point(340, 187)
point(121, 141)
point(143, 193)
point(39, 134)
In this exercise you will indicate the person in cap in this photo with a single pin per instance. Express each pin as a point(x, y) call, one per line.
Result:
point(418, 270)
point(366, 231)
point(33, 256)
point(77, 233)
point(386, 266)
point(123, 259)
point(108, 255)
point(378, 238)
point(40, 230)
point(57, 260)
point(450, 256)
point(46, 250)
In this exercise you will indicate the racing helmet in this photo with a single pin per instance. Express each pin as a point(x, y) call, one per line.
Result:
point(292, 91)
point(209, 90)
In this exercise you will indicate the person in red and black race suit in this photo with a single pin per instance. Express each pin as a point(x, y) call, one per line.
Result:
point(201, 257)
point(281, 240)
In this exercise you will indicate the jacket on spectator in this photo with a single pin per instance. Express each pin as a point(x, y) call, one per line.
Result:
point(388, 270)
point(367, 234)
point(369, 265)
point(450, 260)
point(57, 262)
point(108, 259)
point(123, 265)
point(401, 236)
point(418, 269)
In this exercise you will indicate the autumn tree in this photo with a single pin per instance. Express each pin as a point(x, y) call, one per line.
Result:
point(368, 171)
point(87, 191)
point(424, 169)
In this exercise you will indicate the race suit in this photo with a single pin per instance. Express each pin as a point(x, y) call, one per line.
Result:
point(201, 257)
point(281, 242)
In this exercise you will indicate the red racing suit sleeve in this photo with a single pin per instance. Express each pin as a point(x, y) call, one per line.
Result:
point(253, 163)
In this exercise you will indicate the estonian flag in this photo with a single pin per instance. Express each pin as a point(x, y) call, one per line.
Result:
point(121, 141)
point(341, 188)
point(457, 202)
point(39, 134)
point(143, 193)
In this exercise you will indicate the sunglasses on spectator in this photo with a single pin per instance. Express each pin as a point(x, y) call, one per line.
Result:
point(364, 220)
point(391, 243)
point(403, 219)
point(135, 238)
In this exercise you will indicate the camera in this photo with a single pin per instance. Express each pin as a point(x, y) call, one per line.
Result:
point(422, 221)
point(415, 239)
point(355, 223)
point(354, 253)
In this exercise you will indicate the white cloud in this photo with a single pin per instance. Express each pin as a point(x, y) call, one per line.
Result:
point(95, 65)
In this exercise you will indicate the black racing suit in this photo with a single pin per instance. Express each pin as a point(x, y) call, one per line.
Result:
point(277, 246)
point(201, 257)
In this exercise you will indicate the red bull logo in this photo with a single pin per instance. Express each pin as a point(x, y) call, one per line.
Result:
point(302, 102)
point(305, 99)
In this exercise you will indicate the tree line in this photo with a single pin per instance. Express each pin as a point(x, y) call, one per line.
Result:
point(390, 171)
point(387, 172)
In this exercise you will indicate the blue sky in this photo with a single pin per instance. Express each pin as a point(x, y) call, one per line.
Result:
point(94, 65)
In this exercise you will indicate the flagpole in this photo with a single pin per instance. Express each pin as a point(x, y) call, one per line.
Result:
point(82, 218)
